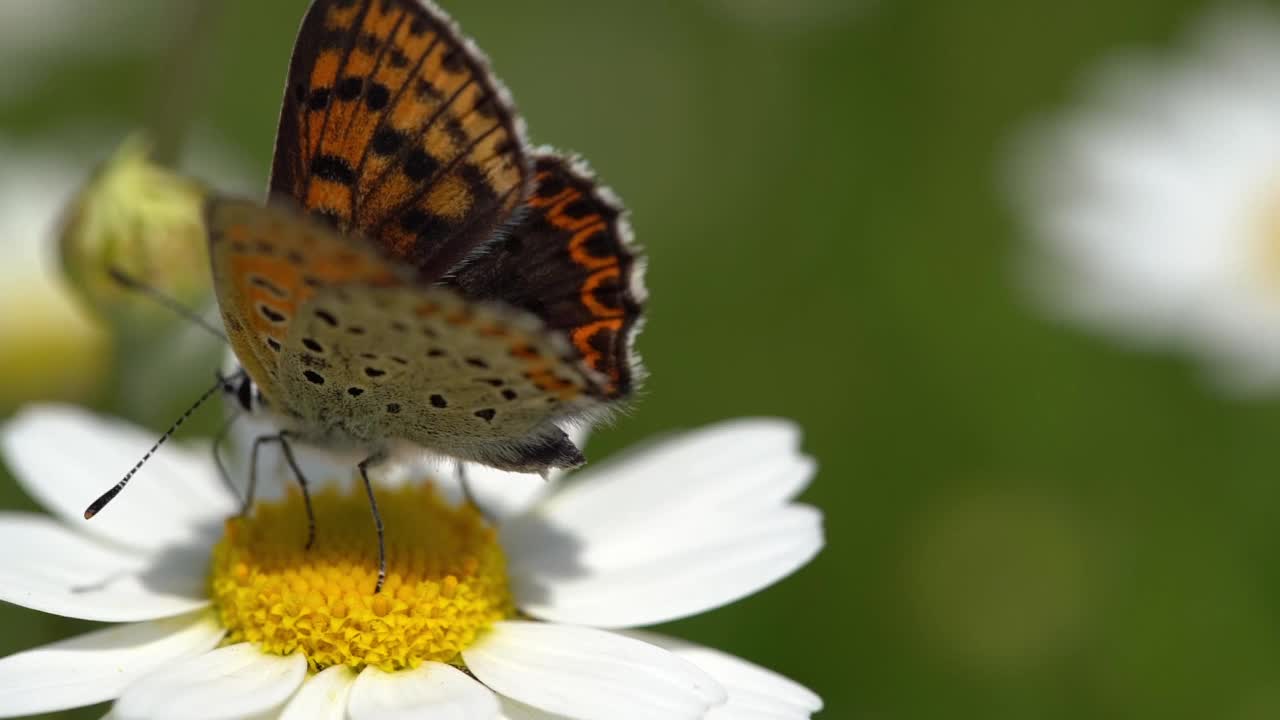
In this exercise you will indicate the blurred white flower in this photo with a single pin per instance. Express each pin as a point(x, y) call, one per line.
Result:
point(136, 217)
point(1155, 205)
point(48, 345)
point(51, 347)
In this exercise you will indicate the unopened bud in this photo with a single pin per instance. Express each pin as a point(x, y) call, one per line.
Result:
point(134, 219)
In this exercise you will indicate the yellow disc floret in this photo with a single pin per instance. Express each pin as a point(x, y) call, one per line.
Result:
point(446, 580)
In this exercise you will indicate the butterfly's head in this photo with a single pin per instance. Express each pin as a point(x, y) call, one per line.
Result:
point(241, 390)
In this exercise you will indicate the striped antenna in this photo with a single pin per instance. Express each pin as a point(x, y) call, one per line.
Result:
point(129, 282)
point(96, 506)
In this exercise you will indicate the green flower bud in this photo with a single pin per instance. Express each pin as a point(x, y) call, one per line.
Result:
point(137, 219)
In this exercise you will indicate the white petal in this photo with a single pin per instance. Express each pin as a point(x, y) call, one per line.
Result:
point(275, 478)
point(500, 494)
point(97, 666)
point(711, 504)
point(586, 674)
point(47, 567)
point(754, 692)
point(736, 465)
point(672, 571)
point(65, 458)
point(434, 690)
point(512, 710)
point(323, 696)
point(237, 681)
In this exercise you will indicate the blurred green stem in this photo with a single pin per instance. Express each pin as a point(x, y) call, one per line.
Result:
point(181, 79)
point(179, 85)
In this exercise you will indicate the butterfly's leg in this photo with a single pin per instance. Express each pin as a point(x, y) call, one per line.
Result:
point(253, 471)
point(468, 495)
point(377, 518)
point(302, 483)
point(223, 473)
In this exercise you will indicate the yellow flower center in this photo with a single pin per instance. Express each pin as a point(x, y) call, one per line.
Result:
point(446, 579)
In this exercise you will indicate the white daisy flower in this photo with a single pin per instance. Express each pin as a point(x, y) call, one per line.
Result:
point(227, 617)
point(1155, 205)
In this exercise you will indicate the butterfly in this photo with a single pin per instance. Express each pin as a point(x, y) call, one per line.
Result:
point(421, 277)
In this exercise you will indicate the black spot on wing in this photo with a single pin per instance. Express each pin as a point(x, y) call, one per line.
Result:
point(387, 141)
point(424, 224)
point(319, 99)
point(453, 61)
point(271, 314)
point(349, 88)
point(419, 165)
point(377, 96)
point(265, 284)
point(333, 169)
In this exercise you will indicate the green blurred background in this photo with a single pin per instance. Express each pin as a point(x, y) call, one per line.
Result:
point(1024, 521)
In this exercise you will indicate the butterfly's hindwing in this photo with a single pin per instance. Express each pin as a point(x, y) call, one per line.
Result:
point(267, 262)
point(475, 381)
point(394, 126)
point(571, 262)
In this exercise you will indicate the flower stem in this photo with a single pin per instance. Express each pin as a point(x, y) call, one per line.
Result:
point(180, 83)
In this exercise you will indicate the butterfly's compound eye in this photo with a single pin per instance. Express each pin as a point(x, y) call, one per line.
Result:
point(245, 393)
